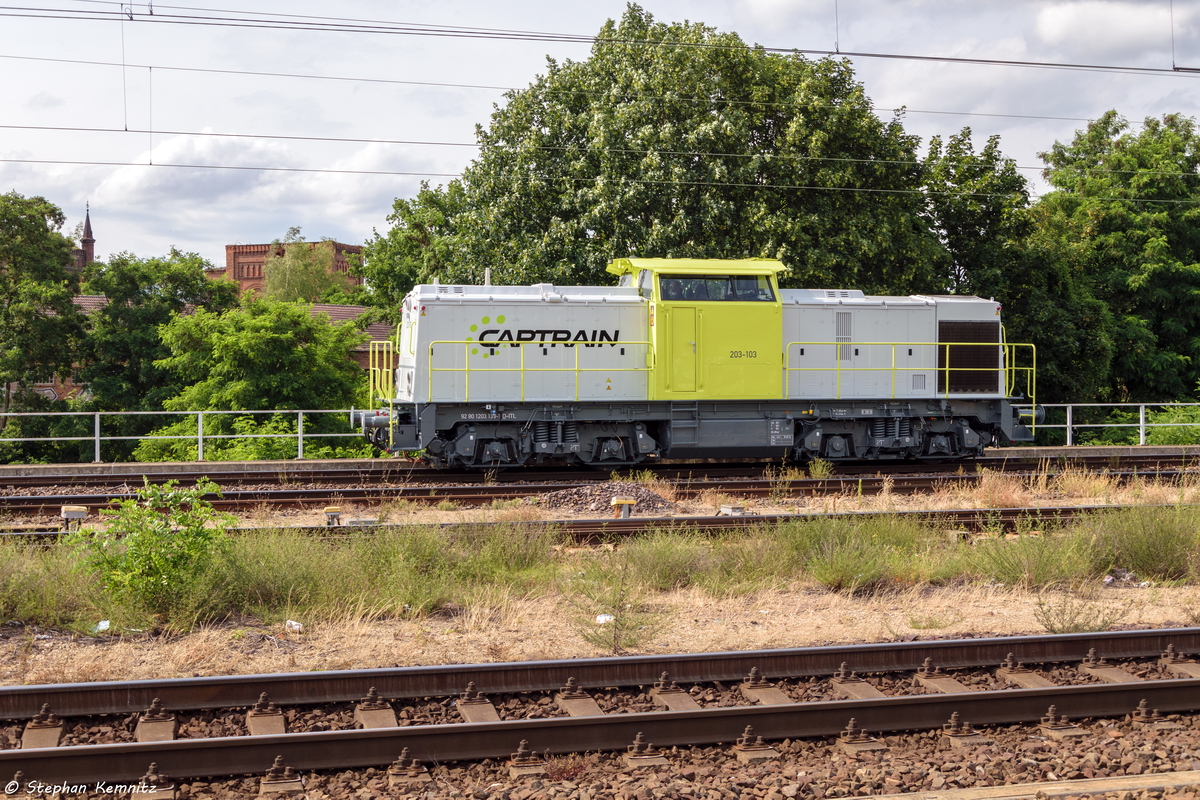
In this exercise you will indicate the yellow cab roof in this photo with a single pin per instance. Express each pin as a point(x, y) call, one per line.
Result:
point(698, 266)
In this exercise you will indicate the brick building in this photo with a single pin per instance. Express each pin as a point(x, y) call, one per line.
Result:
point(244, 262)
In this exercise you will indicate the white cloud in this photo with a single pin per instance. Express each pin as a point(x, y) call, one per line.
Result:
point(1101, 30)
point(43, 101)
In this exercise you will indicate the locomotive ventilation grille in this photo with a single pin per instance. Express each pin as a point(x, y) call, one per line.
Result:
point(974, 367)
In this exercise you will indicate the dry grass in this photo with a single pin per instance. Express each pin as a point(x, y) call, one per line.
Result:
point(533, 628)
point(999, 490)
point(1074, 481)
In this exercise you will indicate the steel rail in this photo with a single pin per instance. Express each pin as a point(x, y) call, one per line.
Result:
point(295, 471)
point(186, 758)
point(295, 688)
point(591, 530)
point(475, 494)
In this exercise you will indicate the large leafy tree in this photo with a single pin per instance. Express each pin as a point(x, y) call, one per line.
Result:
point(979, 208)
point(1125, 217)
point(677, 140)
point(40, 327)
point(118, 358)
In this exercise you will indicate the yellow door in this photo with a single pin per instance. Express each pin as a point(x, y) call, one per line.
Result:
point(683, 349)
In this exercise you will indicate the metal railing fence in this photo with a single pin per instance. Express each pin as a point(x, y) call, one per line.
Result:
point(200, 437)
point(1076, 421)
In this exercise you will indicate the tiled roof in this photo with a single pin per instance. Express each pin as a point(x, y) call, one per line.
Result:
point(376, 330)
point(87, 303)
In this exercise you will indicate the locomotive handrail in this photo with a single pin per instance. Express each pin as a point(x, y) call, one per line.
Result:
point(1009, 369)
point(467, 369)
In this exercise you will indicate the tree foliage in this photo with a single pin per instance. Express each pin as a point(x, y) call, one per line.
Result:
point(1123, 218)
point(421, 244)
point(40, 328)
point(262, 355)
point(677, 140)
point(296, 270)
point(118, 359)
point(979, 208)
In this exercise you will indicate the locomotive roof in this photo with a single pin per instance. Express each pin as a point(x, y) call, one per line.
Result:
point(698, 266)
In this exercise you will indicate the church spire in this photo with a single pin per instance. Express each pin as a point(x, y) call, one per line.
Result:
point(88, 243)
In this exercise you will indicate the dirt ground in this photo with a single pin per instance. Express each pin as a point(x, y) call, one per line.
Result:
point(538, 628)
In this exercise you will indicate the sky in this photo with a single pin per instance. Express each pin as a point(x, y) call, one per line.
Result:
point(155, 92)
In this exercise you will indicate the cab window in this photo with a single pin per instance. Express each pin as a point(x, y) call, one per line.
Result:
point(709, 288)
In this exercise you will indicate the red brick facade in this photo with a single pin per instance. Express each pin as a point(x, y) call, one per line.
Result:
point(244, 262)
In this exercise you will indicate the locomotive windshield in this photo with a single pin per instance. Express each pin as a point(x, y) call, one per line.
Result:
point(740, 288)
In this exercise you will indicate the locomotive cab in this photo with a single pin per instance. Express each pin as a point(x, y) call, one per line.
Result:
point(715, 327)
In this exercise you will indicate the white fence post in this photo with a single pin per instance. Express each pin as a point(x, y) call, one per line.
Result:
point(96, 440)
point(1141, 424)
point(299, 435)
point(199, 435)
point(1070, 422)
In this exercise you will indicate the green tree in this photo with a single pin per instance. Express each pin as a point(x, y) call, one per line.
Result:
point(979, 208)
point(677, 140)
point(1123, 216)
point(298, 270)
point(264, 355)
point(118, 357)
point(40, 328)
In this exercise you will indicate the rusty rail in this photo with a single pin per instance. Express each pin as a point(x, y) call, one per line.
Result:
point(441, 743)
point(296, 688)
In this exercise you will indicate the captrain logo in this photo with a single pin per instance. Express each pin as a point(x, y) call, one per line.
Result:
point(491, 338)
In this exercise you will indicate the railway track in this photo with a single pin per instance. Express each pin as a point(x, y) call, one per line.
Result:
point(972, 520)
point(486, 494)
point(391, 471)
point(756, 689)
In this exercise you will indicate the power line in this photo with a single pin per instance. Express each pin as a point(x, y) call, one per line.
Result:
point(442, 85)
point(551, 178)
point(554, 148)
point(410, 29)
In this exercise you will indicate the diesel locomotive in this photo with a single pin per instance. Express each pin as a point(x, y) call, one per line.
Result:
point(693, 358)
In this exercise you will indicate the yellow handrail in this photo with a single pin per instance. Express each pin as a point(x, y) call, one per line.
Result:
point(1009, 368)
point(522, 369)
point(381, 361)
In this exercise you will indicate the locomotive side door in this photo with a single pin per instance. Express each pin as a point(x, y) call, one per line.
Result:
point(684, 347)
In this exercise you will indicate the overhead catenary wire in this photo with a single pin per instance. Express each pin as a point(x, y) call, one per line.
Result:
point(409, 29)
point(486, 87)
point(551, 148)
point(525, 176)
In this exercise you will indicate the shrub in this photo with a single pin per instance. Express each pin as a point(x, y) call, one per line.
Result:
point(157, 545)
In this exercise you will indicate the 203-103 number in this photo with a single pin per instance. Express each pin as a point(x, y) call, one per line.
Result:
point(743, 354)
